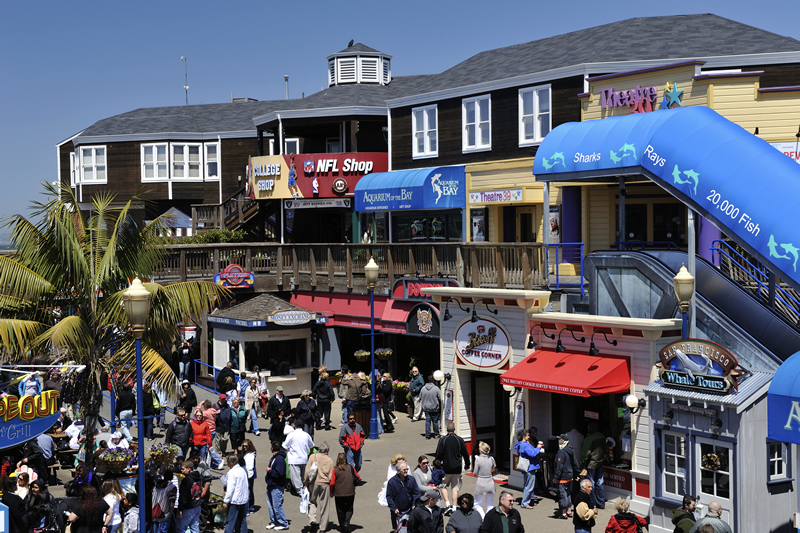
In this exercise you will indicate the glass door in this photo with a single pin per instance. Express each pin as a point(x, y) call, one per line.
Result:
point(714, 470)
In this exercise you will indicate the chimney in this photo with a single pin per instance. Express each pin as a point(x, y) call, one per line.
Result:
point(286, 80)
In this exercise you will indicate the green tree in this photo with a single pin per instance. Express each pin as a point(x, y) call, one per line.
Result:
point(83, 262)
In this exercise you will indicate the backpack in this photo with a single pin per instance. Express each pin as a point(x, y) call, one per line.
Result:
point(196, 492)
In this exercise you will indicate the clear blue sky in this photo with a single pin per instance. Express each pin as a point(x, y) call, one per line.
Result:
point(64, 66)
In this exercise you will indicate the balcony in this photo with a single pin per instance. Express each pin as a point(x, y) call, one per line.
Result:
point(340, 267)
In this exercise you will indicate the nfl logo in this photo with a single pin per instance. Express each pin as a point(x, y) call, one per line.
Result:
point(424, 320)
point(481, 329)
point(308, 167)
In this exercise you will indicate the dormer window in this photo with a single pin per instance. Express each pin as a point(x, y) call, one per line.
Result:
point(359, 64)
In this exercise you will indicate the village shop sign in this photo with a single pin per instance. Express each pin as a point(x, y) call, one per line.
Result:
point(25, 418)
point(698, 365)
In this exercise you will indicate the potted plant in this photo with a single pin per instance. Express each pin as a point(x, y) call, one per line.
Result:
point(383, 353)
point(117, 459)
point(163, 454)
point(361, 355)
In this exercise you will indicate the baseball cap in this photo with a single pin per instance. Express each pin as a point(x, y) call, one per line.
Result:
point(223, 397)
point(564, 437)
point(279, 388)
point(63, 409)
point(185, 382)
point(430, 494)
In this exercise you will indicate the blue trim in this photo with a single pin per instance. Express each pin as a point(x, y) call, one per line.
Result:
point(667, 503)
point(236, 322)
point(711, 436)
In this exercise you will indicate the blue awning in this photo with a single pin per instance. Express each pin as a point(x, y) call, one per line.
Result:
point(783, 402)
point(747, 188)
point(419, 188)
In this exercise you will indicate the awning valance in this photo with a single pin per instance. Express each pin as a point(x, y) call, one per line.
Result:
point(419, 188)
point(571, 373)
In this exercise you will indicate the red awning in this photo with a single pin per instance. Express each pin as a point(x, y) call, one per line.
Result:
point(571, 373)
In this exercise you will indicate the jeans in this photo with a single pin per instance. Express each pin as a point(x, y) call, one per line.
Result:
point(275, 503)
point(351, 408)
point(432, 418)
point(148, 428)
point(203, 451)
point(598, 494)
point(251, 502)
point(216, 460)
point(253, 420)
point(581, 530)
point(190, 519)
point(353, 458)
point(114, 528)
point(123, 426)
point(527, 491)
point(162, 527)
point(237, 518)
point(183, 373)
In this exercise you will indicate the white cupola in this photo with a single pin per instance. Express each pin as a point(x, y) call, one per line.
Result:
point(359, 64)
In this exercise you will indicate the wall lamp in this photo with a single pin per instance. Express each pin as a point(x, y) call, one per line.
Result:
point(512, 390)
point(440, 376)
point(475, 309)
point(531, 344)
point(447, 315)
point(595, 351)
point(667, 417)
point(560, 347)
point(635, 404)
point(715, 426)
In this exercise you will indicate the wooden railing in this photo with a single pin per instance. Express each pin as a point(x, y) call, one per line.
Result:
point(340, 267)
point(230, 215)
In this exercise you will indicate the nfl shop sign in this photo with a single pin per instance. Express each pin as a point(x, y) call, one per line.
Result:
point(482, 344)
point(234, 277)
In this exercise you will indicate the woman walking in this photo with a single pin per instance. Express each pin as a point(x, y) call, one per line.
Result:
point(238, 423)
point(343, 481)
point(527, 448)
point(323, 393)
point(249, 451)
point(484, 468)
point(251, 405)
point(424, 473)
point(307, 412)
point(201, 434)
point(387, 390)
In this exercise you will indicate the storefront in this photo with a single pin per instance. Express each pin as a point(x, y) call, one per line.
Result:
point(270, 333)
point(709, 425)
point(313, 193)
point(555, 382)
point(413, 206)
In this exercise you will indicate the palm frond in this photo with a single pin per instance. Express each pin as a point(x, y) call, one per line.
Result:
point(17, 335)
point(20, 281)
point(72, 335)
point(154, 368)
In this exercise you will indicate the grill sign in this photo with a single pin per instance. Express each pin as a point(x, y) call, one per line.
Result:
point(234, 277)
point(483, 344)
point(698, 365)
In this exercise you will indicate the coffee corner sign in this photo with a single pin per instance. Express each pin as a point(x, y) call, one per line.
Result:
point(698, 365)
point(482, 344)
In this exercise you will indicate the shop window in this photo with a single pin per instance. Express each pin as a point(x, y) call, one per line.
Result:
point(277, 357)
point(154, 161)
point(424, 123)
point(93, 164)
point(714, 464)
point(476, 117)
point(778, 454)
point(673, 460)
point(534, 114)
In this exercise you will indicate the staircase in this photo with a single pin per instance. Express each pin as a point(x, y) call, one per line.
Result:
point(234, 213)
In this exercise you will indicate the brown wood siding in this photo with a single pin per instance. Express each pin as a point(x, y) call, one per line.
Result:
point(64, 152)
point(505, 127)
point(777, 75)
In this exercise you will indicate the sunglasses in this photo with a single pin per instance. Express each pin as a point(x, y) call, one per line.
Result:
point(424, 463)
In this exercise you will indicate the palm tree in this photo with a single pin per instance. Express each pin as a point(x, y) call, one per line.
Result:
point(66, 258)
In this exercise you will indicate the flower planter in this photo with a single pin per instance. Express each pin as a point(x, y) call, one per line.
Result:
point(116, 466)
point(163, 458)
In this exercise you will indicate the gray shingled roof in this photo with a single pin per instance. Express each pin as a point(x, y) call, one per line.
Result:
point(256, 308)
point(643, 38)
point(359, 47)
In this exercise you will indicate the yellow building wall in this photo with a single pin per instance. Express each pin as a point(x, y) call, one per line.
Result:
point(597, 213)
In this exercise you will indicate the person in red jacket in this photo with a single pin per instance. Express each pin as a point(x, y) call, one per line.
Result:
point(624, 521)
point(352, 439)
point(201, 432)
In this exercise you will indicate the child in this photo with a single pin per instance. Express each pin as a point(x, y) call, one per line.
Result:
point(437, 479)
point(132, 515)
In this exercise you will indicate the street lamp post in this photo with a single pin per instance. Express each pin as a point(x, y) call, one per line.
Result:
point(136, 300)
point(683, 283)
point(371, 273)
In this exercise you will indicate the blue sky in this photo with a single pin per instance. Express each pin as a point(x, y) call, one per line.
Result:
point(63, 66)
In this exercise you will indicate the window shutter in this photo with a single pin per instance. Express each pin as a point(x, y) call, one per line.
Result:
point(347, 70)
point(387, 71)
point(331, 72)
point(369, 70)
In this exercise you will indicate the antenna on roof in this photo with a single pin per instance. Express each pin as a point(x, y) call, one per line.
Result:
point(186, 77)
point(286, 81)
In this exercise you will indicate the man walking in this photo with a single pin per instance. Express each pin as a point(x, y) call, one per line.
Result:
point(297, 445)
point(714, 519)
point(431, 402)
point(352, 437)
point(585, 512)
point(402, 492)
point(354, 385)
point(415, 387)
point(237, 495)
point(185, 352)
point(566, 471)
point(278, 403)
point(223, 425)
point(427, 518)
point(683, 517)
point(179, 432)
point(126, 409)
point(451, 451)
point(276, 481)
point(503, 518)
point(189, 499)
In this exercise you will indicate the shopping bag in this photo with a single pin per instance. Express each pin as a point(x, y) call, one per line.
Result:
point(382, 496)
point(304, 497)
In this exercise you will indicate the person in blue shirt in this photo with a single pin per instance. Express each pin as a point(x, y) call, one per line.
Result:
point(529, 448)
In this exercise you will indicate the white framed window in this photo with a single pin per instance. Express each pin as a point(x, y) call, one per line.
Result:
point(778, 465)
point(673, 459)
point(155, 165)
point(424, 124)
point(186, 161)
point(93, 164)
point(212, 170)
point(535, 118)
point(714, 470)
point(291, 146)
point(476, 117)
